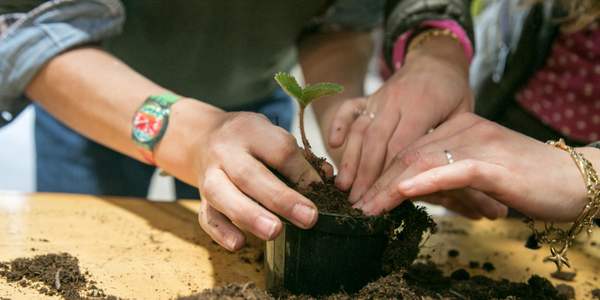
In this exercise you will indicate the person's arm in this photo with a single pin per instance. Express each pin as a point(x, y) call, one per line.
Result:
point(226, 155)
point(97, 95)
point(340, 57)
point(511, 169)
point(429, 86)
point(34, 31)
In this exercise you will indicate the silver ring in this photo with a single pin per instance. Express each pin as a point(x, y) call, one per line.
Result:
point(449, 157)
point(370, 115)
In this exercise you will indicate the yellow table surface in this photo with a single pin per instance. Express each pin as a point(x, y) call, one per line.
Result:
point(140, 249)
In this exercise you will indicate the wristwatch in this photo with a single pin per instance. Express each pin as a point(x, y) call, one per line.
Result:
point(150, 123)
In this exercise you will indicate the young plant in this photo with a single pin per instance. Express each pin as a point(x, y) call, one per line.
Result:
point(304, 96)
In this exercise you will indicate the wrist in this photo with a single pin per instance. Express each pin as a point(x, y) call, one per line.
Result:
point(444, 50)
point(191, 122)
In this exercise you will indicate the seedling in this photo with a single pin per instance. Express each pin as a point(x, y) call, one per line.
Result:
point(304, 96)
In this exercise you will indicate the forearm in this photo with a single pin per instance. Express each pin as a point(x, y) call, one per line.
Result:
point(342, 58)
point(97, 95)
point(445, 49)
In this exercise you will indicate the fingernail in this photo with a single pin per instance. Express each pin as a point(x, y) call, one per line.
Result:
point(354, 196)
point(367, 208)
point(502, 211)
point(359, 204)
point(304, 214)
point(340, 182)
point(266, 226)
point(231, 243)
point(406, 185)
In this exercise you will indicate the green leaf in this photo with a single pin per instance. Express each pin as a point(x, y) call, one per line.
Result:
point(319, 90)
point(289, 85)
point(306, 95)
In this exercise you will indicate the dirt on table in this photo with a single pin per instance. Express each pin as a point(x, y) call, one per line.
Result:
point(596, 294)
point(52, 274)
point(231, 292)
point(419, 281)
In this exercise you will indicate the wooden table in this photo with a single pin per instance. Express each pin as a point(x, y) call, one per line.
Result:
point(147, 250)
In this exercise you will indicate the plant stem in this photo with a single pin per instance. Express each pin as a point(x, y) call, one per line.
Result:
point(303, 133)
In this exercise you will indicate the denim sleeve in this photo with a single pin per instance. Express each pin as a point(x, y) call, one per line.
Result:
point(29, 39)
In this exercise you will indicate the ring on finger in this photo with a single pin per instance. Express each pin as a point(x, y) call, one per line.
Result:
point(370, 115)
point(449, 157)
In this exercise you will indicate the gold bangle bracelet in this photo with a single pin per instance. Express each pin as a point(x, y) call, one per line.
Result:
point(561, 239)
point(427, 35)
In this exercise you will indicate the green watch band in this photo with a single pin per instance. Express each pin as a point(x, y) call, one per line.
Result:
point(150, 123)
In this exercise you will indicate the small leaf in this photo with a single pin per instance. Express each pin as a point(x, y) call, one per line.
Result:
point(319, 90)
point(289, 85)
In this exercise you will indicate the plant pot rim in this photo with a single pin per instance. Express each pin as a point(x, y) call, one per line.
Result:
point(341, 224)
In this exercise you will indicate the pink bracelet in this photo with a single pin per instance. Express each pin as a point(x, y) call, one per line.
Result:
point(399, 53)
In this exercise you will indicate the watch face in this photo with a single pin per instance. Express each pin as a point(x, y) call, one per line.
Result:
point(147, 123)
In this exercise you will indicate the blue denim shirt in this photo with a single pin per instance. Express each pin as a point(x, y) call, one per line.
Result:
point(30, 39)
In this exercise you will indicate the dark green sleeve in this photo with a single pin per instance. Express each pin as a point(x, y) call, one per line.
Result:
point(18, 6)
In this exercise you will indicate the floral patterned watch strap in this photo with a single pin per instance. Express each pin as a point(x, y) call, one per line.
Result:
point(150, 123)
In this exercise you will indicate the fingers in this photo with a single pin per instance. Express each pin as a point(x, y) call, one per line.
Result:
point(327, 169)
point(224, 196)
point(219, 228)
point(477, 203)
point(384, 195)
point(446, 130)
point(464, 173)
point(352, 153)
point(257, 182)
point(373, 152)
point(344, 117)
point(408, 131)
point(278, 149)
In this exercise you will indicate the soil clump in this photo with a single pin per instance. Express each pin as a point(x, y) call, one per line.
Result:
point(52, 274)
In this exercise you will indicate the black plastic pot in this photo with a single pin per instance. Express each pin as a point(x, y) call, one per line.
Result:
point(338, 253)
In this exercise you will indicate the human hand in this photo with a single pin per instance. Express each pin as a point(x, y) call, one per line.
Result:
point(491, 163)
point(238, 190)
point(431, 87)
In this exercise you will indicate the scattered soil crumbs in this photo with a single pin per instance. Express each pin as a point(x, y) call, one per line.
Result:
point(52, 274)
point(460, 274)
point(231, 292)
point(488, 266)
point(419, 281)
point(566, 276)
point(453, 253)
point(532, 243)
point(566, 290)
point(596, 294)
